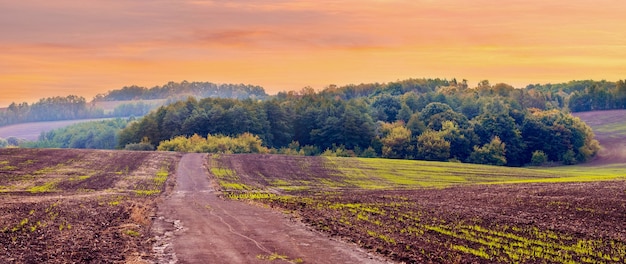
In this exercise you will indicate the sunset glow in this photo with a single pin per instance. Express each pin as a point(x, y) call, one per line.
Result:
point(64, 47)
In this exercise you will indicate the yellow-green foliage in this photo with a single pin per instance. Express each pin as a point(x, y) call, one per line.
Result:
point(251, 196)
point(80, 178)
point(146, 192)
point(65, 226)
point(223, 173)
point(276, 256)
point(46, 187)
point(234, 186)
point(244, 143)
point(8, 168)
point(155, 188)
point(161, 176)
point(132, 233)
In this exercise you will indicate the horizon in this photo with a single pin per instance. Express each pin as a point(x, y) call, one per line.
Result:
point(63, 47)
point(90, 99)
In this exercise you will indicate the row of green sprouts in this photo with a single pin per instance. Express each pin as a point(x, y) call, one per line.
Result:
point(406, 229)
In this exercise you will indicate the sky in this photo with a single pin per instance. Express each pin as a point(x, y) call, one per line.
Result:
point(87, 47)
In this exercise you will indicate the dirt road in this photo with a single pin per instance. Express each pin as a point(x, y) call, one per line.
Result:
point(194, 225)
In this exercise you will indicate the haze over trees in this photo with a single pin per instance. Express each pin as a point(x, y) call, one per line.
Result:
point(183, 90)
point(89, 135)
point(75, 107)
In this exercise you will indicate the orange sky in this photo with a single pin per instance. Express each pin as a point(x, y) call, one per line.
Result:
point(64, 47)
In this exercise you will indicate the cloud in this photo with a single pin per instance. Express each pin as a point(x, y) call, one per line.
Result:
point(290, 44)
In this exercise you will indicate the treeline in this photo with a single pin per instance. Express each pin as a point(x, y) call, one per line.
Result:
point(75, 107)
point(88, 135)
point(589, 95)
point(50, 109)
point(183, 90)
point(430, 119)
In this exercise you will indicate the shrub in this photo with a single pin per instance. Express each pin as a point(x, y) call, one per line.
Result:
point(492, 153)
point(569, 158)
point(432, 146)
point(539, 158)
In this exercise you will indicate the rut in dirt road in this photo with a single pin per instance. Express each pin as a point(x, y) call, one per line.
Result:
point(194, 225)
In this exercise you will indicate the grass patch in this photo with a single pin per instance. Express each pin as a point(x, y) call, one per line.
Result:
point(234, 186)
point(146, 192)
point(132, 233)
point(161, 176)
point(8, 168)
point(79, 178)
point(46, 187)
point(276, 256)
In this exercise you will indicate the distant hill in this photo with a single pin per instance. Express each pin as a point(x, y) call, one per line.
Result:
point(609, 128)
point(182, 90)
point(31, 131)
point(128, 101)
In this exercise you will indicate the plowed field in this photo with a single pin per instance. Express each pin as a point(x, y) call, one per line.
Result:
point(76, 206)
point(425, 212)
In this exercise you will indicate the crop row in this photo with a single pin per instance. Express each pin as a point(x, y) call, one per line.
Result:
point(398, 228)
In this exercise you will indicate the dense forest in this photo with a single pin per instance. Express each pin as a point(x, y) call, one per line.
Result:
point(74, 107)
point(430, 119)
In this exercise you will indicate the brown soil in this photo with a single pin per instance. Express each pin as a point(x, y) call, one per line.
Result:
point(196, 226)
point(569, 212)
point(592, 211)
point(89, 213)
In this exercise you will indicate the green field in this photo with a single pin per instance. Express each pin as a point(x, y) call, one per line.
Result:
point(386, 174)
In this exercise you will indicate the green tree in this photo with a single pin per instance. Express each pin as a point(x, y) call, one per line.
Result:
point(539, 158)
point(492, 153)
point(280, 122)
point(416, 125)
point(387, 107)
point(432, 109)
point(504, 127)
point(396, 140)
point(404, 114)
point(431, 145)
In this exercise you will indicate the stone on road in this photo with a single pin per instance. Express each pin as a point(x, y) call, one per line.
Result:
point(194, 225)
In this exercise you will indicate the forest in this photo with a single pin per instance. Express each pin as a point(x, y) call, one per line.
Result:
point(426, 119)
